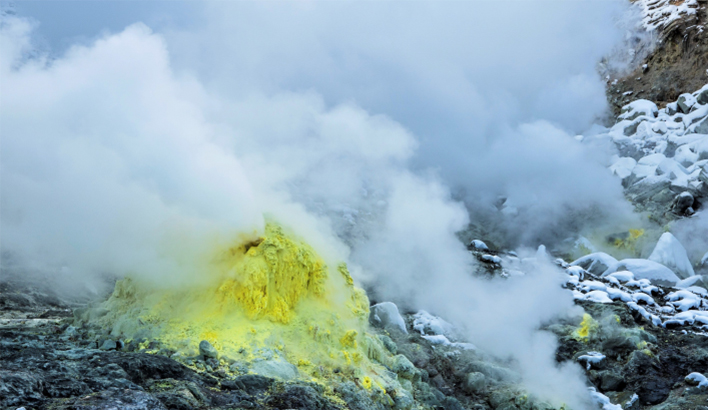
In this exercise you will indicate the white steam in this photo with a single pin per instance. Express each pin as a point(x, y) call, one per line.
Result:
point(352, 123)
point(463, 77)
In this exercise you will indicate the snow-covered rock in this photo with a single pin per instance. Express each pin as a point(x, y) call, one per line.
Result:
point(622, 276)
point(637, 108)
point(670, 253)
point(591, 358)
point(596, 263)
point(597, 296)
point(491, 259)
point(623, 167)
point(388, 315)
point(479, 245)
point(697, 379)
point(603, 400)
point(645, 269)
point(691, 281)
point(684, 300)
point(662, 153)
point(428, 324)
point(437, 331)
point(658, 14)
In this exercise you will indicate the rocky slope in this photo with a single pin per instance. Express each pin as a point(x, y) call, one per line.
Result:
point(670, 54)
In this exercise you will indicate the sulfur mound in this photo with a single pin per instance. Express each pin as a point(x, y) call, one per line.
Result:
point(260, 303)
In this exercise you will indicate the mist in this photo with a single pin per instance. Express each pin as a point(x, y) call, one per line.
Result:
point(470, 81)
point(376, 131)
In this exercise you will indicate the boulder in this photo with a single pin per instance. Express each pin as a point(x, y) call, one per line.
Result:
point(701, 128)
point(275, 368)
point(611, 381)
point(387, 315)
point(300, 397)
point(109, 345)
point(670, 253)
point(207, 351)
point(251, 383)
point(691, 281)
point(685, 102)
point(474, 382)
point(596, 263)
point(403, 367)
point(645, 269)
point(478, 245)
point(682, 203)
point(702, 97)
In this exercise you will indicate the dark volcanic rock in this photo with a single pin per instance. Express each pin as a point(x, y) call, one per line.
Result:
point(654, 390)
point(116, 399)
point(301, 398)
point(17, 388)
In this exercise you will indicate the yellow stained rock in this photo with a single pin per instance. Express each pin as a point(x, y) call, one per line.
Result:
point(272, 296)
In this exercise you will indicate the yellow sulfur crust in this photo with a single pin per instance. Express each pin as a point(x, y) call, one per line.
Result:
point(270, 297)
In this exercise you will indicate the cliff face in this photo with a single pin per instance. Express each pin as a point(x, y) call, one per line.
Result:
point(679, 60)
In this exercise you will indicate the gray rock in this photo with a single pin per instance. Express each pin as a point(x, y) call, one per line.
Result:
point(638, 362)
point(388, 343)
point(631, 128)
point(653, 390)
point(387, 315)
point(611, 381)
point(682, 202)
point(109, 345)
point(71, 331)
point(596, 263)
point(691, 381)
point(702, 97)
point(428, 395)
point(474, 382)
point(251, 383)
point(238, 367)
point(403, 367)
point(19, 388)
point(495, 372)
point(356, 398)
point(178, 400)
point(403, 400)
point(300, 397)
point(119, 399)
point(685, 102)
point(701, 128)
point(75, 354)
point(207, 351)
point(275, 368)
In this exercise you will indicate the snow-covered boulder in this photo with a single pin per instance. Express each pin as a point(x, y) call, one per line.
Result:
point(596, 263)
point(691, 281)
point(387, 314)
point(479, 245)
point(645, 269)
point(685, 102)
point(638, 108)
point(623, 167)
point(670, 253)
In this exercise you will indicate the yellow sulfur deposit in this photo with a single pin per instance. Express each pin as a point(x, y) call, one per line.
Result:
point(270, 299)
point(586, 328)
point(629, 243)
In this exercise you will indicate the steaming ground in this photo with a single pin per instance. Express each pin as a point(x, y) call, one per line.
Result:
point(140, 153)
